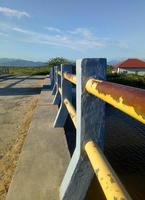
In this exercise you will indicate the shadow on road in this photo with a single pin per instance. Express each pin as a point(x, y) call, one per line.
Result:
point(19, 91)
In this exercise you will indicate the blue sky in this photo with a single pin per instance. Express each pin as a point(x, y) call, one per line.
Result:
point(41, 29)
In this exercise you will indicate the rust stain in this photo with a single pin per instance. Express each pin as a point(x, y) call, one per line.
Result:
point(130, 96)
point(111, 178)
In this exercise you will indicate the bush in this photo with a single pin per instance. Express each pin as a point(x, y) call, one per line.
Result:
point(128, 79)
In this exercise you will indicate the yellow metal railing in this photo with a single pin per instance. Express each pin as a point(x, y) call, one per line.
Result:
point(111, 185)
point(59, 73)
point(60, 90)
point(127, 99)
point(107, 178)
point(71, 110)
point(69, 77)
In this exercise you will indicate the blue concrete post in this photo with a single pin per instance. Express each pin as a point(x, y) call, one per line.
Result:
point(57, 97)
point(55, 79)
point(52, 77)
point(90, 126)
point(66, 87)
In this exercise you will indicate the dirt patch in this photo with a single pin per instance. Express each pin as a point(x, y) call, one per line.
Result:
point(9, 161)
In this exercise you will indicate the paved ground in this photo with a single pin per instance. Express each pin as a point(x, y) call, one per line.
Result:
point(18, 99)
point(15, 94)
point(44, 157)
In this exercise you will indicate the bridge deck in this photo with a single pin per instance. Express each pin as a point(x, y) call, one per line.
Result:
point(44, 156)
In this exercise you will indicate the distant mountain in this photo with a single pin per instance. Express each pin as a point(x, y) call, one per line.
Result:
point(8, 62)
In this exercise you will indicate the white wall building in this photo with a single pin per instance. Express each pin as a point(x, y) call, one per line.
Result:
point(130, 66)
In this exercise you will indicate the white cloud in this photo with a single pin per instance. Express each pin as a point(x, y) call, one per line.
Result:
point(3, 34)
point(52, 29)
point(13, 13)
point(81, 31)
point(80, 39)
point(20, 30)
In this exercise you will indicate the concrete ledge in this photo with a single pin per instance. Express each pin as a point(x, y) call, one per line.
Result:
point(44, 157)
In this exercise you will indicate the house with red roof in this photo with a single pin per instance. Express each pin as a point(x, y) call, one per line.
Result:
point(130, 66)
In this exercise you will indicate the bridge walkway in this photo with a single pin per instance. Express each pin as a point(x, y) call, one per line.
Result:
point(44, 156)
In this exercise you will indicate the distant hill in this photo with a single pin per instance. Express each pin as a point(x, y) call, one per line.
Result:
point(8, 62)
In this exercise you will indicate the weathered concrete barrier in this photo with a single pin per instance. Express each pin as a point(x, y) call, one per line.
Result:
point(89, 120)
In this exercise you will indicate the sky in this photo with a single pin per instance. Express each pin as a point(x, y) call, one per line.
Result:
point(41, 29)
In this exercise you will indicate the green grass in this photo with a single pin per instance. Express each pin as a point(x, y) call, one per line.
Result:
point(27, 70)
point(127, 79)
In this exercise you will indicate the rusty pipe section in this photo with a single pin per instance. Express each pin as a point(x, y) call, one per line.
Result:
point(71, 110)
point(70, 77)
point(111, 185)
point(125, 98)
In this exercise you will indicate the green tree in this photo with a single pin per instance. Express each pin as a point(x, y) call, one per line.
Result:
point(109, 69)
point(57, 61)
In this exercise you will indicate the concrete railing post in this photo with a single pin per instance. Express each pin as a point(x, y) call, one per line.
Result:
point(55, 81)
point(90, 126)
point(57, 97)
point(52, 77)
point(66, 88)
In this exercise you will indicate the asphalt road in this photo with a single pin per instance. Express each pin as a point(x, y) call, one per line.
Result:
point(16, 92)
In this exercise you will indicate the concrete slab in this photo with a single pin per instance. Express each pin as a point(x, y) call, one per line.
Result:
point(44, 157)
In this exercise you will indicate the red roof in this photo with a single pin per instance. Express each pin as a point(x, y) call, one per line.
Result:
point(130, 63)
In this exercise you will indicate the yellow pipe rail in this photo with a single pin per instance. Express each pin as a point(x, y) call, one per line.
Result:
point(109, 182)
point(59, 73)
point(111, 185)
point(127, 99)
point(71, 110)
point(60, 90)
point(70, 77)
